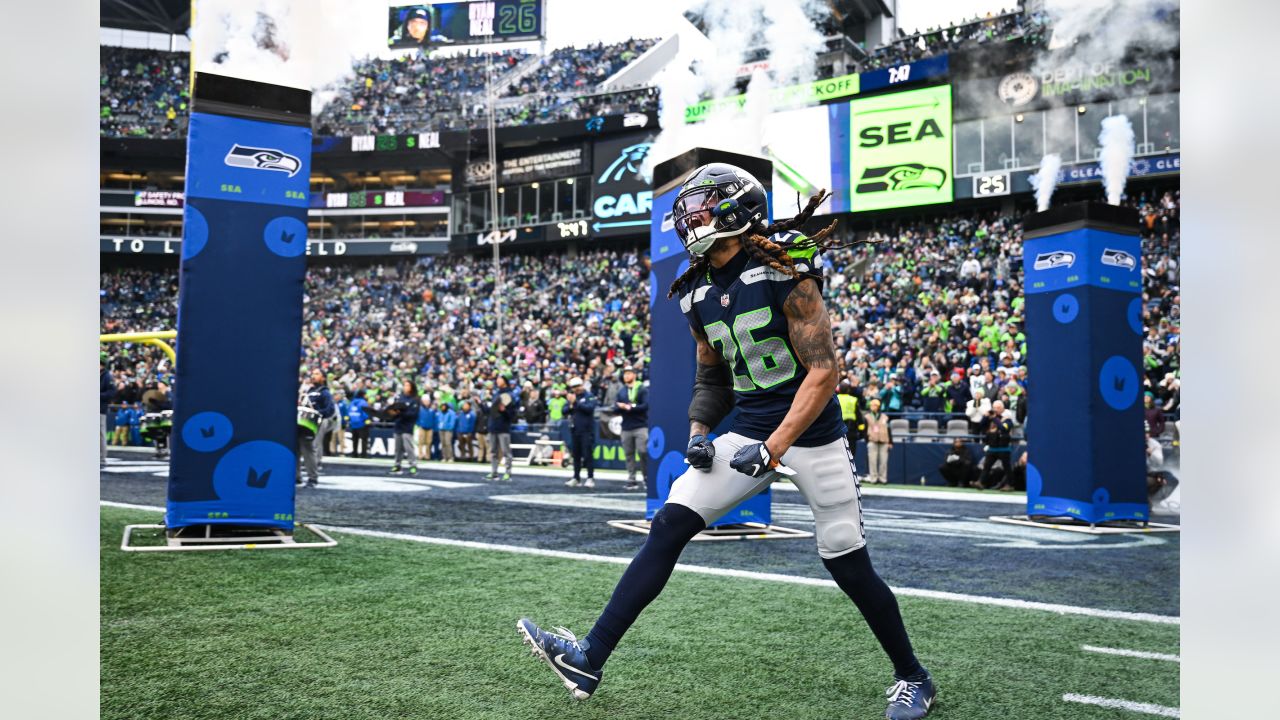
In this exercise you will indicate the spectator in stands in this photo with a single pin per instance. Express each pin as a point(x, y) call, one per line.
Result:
point(933, 396)
point(404, 411)
point(977, 410)
point(997, 434)
point(582, 445)
point(958, 469)
point(1153, 415)
point(879, 443)
point(633, 405)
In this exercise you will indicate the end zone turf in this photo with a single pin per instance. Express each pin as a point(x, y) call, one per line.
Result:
point(378, 628)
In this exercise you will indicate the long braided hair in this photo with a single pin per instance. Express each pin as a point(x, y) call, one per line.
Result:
point(757, 244)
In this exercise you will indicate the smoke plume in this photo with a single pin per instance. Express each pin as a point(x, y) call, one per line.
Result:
point(1045, 181)
point(1116, 142)
point(305, 45)
point(707, 68)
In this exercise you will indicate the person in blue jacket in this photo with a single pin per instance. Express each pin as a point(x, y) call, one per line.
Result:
point(358, 420)
point(317, 397)
point(466, 432)
point(404, 411)
point(120, 433)
point(135, 424)
point(582, 432)
point(426, 428)
point(446, 424)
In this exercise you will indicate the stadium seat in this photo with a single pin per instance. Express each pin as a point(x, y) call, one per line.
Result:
point(900, 427)
point(957, 427)
point(927, 428)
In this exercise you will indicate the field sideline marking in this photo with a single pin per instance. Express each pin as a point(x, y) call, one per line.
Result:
point(1114, 704)
point(1131, 653)
point(745, 574)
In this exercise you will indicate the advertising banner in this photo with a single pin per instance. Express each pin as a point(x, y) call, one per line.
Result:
point(901, 150)
point(621, 200)
point(240, 306)
point(315, 248)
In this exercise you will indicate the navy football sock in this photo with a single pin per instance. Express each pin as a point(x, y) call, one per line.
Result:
point(673, 527)
point(855, 576)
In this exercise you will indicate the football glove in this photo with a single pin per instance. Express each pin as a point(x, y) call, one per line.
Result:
point(754, 460)
point(700, 453)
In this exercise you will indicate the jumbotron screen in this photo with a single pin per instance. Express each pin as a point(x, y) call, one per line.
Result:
point(875, 153)
point(464, 22)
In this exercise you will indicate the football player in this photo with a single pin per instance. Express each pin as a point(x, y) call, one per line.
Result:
point(753, 298)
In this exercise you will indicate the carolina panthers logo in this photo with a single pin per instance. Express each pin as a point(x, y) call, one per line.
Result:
point(263, 159)
point(908, 176)
point(1119, 258)
point(1055, 259)
point(628, 162)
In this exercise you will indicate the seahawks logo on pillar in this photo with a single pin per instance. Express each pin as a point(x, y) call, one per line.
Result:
point(895, 178)
point(1119, 258)
point(1055, 259)
point(263, 159)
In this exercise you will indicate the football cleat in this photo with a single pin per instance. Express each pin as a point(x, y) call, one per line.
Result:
point(589, 483)
point(910, 700)
point(396, 471)
point(573, 482)
point(506, 477)
point(413, 471)
point(565, 654)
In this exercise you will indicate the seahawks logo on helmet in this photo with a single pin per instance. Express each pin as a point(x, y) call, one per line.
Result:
point(908, 176)
point(263, 159)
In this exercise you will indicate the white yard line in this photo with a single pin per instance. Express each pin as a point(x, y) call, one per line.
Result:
point(1114, 704)
point(1131, 653)
point(744, 574)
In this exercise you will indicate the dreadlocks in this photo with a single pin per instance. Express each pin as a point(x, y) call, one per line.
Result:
point(758, 245)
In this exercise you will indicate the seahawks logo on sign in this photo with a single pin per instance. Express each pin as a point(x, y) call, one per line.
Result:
point(1119, 258)
point(1055, 259)
point(895, 178)
point(263, 159)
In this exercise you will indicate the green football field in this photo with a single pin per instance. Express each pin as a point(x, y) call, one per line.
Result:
point(383, 628)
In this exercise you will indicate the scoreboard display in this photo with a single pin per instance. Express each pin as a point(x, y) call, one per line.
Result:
point(464, 22)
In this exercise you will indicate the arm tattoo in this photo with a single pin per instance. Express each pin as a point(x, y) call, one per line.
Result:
point(810, 326)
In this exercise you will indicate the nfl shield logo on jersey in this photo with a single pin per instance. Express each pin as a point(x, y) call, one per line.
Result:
point(724, 300)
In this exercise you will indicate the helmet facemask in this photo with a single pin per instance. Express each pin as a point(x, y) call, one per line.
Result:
point(705, 214)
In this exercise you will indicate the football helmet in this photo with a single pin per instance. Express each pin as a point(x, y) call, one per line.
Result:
point(717, 200)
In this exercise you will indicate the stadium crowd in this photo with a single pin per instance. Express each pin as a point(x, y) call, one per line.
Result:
point(144, 91)
point(927, 321)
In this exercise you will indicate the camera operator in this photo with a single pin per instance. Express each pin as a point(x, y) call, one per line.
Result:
point(958, 468)
point(997, 432)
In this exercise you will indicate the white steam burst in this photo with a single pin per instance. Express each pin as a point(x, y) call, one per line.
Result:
point(304, 45)
point(707, 68)
point(1116, 141)
point(1046, 180)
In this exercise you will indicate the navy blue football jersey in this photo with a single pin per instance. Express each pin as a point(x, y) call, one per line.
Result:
point(745, 323)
